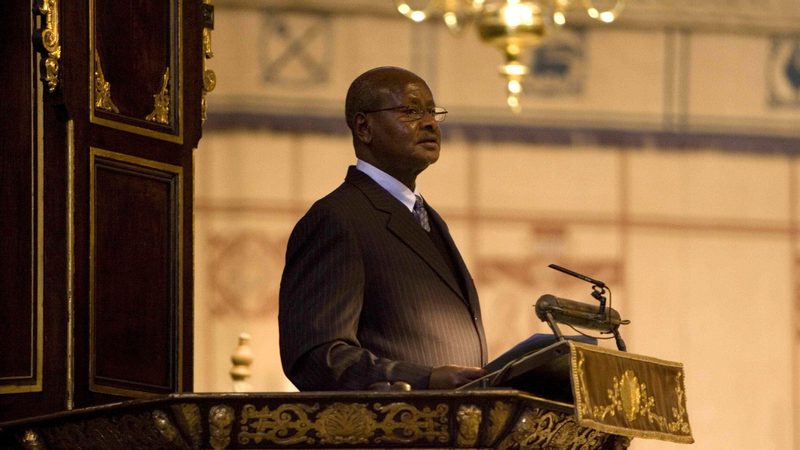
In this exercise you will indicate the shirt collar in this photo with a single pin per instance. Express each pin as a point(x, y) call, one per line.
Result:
point(398, 190)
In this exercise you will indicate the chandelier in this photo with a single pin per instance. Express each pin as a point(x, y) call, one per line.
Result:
point(510, 25)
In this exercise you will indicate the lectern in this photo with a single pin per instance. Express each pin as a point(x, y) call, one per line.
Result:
point(576, 396)
point(561, 395)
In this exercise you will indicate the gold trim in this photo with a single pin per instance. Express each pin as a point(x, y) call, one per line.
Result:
point(343, 423)
point(169, 168)
point(220, 420)
point(70, 400)
point(166, 428)
point(39, 239)
point(176, 42)
point(31, 440)
point(47, 38)
point(102, 88)
point(539, 428)
point(469, 424)
point(633, 356)
point(498, 417)
point(629, 398)
point(209, 77)
point(160, 112)
point(188, 417)
point(179, 324)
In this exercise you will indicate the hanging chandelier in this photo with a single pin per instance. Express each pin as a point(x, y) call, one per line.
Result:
point(510, 25)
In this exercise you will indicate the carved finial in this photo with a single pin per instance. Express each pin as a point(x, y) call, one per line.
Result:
point(241, 358)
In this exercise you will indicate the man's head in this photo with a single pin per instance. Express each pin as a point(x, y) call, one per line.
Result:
point(382, 110)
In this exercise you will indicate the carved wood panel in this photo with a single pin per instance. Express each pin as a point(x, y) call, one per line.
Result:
point(20, 206)
point(136, 295)
point(136, 66)
point(96, 267)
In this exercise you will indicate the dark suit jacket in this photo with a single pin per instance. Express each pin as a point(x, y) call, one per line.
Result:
point(367, 297)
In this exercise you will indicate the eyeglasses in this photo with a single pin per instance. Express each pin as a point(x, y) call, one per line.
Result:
point(414, 113)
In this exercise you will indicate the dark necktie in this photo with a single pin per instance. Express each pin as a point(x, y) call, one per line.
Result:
point(421, 214)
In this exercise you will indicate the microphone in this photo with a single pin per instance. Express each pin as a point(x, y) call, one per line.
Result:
point(578, 314)
point(597, 283)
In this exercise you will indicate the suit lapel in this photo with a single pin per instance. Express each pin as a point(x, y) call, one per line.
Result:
point(463, 272)
point(401, 223)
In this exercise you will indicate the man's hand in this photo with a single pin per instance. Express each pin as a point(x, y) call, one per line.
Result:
point(450, 377)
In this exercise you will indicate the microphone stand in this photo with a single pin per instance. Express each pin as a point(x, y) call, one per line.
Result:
point(598, 292)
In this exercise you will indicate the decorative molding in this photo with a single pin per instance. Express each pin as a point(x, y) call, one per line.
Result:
point(355, 419)
point(70, 269)
point(539, 428)
point(161, 101)
point(187, 415)
point(31, 440)
point(47, 42)
point(345, 423)
point(469, 422)
point(18, 383)
point(172, 177)
point(498, 419)
point(166, 120)
point(166, 428)
point(102, 88)
point(220, 421)
point(209, 77)
point(752, 16)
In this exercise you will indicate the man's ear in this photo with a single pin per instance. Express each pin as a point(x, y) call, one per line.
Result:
point(363, 128)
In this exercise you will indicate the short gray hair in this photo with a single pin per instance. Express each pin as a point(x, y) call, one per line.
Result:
point(364, 91)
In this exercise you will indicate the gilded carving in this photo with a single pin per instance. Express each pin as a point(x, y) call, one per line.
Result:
point(346, 423)
point(126, 431)
point(165, 427)
point(188, 418)
point(568, 434)
point(537, 429)
point(469, 421)
point(533, 428)
point(47, 39)
point(498, 416)
point(102, 88)
point(209, 77)
point(209, 83)
point(31, 440)
point(343, 423)
point(161, 102)
point(619, 442)
point(220, 419)
point(405, 423)
point(287, 424)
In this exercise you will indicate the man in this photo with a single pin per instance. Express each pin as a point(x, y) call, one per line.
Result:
point(374, 291)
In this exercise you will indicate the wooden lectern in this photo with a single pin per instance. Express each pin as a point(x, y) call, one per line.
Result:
point(577, 396)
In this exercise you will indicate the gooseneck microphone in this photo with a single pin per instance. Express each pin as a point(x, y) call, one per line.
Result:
point(552, 309)
point(597, 283)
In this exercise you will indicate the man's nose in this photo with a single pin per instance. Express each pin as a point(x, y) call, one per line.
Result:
point(428, 119)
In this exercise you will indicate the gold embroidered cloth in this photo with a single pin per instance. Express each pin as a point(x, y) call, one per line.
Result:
point(629, 394)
